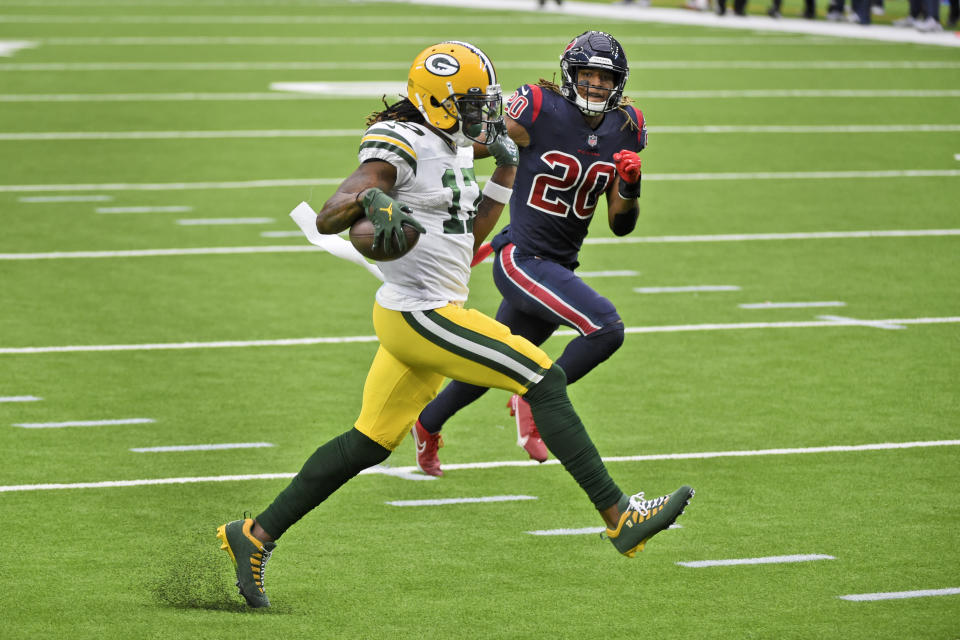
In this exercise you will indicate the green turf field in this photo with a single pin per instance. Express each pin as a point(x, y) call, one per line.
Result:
point(132, 127)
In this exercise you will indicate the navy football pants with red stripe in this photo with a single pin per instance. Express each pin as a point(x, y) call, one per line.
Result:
point(538, 297)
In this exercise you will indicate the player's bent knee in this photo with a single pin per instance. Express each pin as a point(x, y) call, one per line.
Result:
point(553, 384)
point(360, 452)
point(607, 340)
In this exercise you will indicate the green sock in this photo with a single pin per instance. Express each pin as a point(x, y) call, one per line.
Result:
point(324, 472)
point(566, 437)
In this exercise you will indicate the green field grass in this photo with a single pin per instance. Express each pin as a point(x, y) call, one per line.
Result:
point(697, 374)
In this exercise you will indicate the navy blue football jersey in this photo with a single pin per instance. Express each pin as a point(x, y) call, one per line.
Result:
point(564, 170)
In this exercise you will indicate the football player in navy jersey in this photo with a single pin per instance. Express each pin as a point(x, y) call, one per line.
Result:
point(578, 142)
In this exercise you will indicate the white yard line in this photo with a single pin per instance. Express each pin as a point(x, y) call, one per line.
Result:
point(482, 41)
point(83, 423)
point(567, 532)
point(355, 133)
point(187, 135)
point(641, 95)
point(105, 484)
point(288, 342)
point(313, 182)
point(805, 175)
point(155, 97)
point(203, 447)
point(172, 209)
point(174, 186)
point(790, 305)
point(876, 324)
point(147, 253)
point(392, 65)
point(750, 237)
point(223, 221)
point(766, 560)
point(52, 199)
point(898, 595)
point(20, 399)
point(607, 274)
point(688, 289)
point(445, 501)
point(281, 234)
point(323, 20)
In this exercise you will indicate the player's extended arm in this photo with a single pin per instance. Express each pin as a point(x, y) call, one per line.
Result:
point(498, 189)
point(622, 207)
point(515, 130)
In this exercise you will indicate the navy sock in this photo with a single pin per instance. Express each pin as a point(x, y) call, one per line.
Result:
point(454, 397)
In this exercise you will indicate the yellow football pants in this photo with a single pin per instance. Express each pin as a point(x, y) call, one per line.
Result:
point(418, 349)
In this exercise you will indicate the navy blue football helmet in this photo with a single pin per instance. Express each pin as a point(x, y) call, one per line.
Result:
point(595, 50)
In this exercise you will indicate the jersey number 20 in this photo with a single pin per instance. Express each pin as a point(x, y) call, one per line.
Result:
point(588, 185)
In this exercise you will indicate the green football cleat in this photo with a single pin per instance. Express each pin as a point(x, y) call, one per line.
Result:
point(249, 557)
point(642, 519)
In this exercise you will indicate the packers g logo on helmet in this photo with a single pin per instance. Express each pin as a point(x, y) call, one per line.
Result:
point(454, 85)
point(442, 64)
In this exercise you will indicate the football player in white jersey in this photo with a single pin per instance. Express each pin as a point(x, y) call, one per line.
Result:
point(416, 168)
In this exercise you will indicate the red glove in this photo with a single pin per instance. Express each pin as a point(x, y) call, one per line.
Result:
point(628, 165)
point(482, 253)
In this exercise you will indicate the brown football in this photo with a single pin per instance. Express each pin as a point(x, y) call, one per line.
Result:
point(361, 237)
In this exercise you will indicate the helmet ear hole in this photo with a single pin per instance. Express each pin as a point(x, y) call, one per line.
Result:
point(433, 102)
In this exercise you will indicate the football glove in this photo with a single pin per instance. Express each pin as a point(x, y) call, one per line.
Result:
point(388, 216)
point(628, 168)
point(503, 148)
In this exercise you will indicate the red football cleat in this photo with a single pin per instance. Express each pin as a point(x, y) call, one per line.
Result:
point(527, 435)
point(427, 446)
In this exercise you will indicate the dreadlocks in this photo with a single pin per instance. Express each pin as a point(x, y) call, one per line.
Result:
point(624, 101)
point(401, 111)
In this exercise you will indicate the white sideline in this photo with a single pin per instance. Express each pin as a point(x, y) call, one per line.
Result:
point(619, 13)
point(288, 342)
point(106, 484)
point(444, 501)
point(353, 133)
point(641, 95)
point(766, 560)
point(83, 423)
point(391, 65)
point(896, 595)
point(483, 41)
point(316, 182)
point(203, 447)
point(20, 399)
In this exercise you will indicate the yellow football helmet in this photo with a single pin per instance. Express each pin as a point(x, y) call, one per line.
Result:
point(454, 85)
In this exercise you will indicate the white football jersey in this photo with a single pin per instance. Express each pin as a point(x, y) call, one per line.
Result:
point(438, 183)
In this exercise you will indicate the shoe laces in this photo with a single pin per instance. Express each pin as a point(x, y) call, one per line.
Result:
point(260, 575)
point(641, 506)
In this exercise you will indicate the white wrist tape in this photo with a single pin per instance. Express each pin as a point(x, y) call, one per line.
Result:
point(497, 192)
